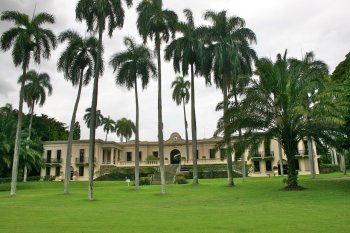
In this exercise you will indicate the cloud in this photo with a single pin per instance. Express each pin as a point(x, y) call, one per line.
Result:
point(296, 25)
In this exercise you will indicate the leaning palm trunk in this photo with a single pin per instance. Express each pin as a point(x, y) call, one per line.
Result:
point(160, 118)
point(244, 175)
point(18, 131)
point(194, 130)
point(25, 170)
point(93, 119)
point(186, 126)
point(227, 137)
point(137, 158)
point(70, 138)
point(311, 158)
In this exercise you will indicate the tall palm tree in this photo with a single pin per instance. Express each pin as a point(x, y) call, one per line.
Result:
point(135, 62)
point(98, 15)
point(158, 24)
point(316, 71)
point(186, 52)
point(181, 95)
point(229, 41)
point(108, 125)
point(124, 129)
point(27, 38)
point(263, 115)
point(34, 93)
point(87, 118)
point(77, 62)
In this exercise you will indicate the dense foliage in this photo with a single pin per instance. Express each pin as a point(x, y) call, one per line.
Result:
point(44, 129)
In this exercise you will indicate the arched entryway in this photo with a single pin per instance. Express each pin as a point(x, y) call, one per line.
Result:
point(175, 156)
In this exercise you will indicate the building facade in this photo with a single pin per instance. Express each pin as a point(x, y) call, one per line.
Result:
point(264, 160)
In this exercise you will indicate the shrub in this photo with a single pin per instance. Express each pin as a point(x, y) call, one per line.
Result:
point(328, 168)
point(118, 173)
point(49, 178)
point(152, 158)
point(180, 179)
point(145, 180)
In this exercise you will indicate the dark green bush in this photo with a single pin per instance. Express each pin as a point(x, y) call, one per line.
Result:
point(49, 178)
point(124, 173)
point(180, 179)
point(328, 168)
point(145, 180)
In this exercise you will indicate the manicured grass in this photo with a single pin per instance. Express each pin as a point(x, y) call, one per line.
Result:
point(255, 206)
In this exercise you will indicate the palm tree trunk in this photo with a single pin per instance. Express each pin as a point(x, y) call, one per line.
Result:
point(70, 138)
point(227, 137)
point(186, 126)
point(106, 136)
point(93, 119)
point(18, 131)
point(311, 158)
point(160, 118)
point(280, 156)
point(244, 175)
point(194, 130)
point(343, 163)
point(25, 170)
point(137, 158)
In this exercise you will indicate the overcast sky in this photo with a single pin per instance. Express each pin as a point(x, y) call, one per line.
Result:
point(321, 26)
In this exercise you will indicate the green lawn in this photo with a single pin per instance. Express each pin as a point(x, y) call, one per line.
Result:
point(255, 206)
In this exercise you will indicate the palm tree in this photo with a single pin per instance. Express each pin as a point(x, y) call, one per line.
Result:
point(157, 24)
point(135, 62)
point(27, 38)
point(315, 70)
point(88, 118)
point(229, 40)
point(98, 14)
point(34, 93)
point(186, 52)
point(181, 95)
point(272, 108)
point(77, 62)
point(108, 125)
point(124, 129)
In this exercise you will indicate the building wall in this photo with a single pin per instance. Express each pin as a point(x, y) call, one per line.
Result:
point(115, 154)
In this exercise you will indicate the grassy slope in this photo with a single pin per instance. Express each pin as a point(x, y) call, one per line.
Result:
point(255, 206)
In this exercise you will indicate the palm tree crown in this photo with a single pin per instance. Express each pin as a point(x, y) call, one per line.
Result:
point(87, 117)
point(28, 36)
point(125, 128)
point(34, 89)
point(108, 125)
point(133, 63)
point(79, 57)
point(181, 92)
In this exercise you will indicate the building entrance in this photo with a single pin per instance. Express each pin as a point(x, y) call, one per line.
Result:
point(175, 156)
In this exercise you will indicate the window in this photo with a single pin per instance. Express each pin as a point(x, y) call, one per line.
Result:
point(81, 170)
point(306, 147)
point(268, 165)
point(222, 154)
point(256, 166)
point(212, 153)
point(58, 155)
point(155, 154)
point(296, 164)
point(128, 156)
point(140, 155)
point(58, 171)
point(197, 154)
point(48, 171)
point(48, 156)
